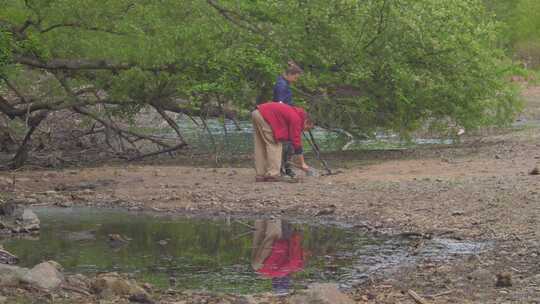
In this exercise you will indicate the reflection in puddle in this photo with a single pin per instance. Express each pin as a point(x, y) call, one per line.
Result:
point(225, 255)
point(277, 252)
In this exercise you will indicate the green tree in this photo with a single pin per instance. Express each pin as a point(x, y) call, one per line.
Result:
point(520, 30)
point(392, 64)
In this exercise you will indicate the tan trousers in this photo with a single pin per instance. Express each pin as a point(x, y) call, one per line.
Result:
point(267, 150)
point(266, 232)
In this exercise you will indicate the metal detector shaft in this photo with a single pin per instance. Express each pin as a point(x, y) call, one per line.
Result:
point(317, 151)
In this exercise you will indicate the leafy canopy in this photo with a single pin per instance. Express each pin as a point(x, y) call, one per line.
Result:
point(390, 64)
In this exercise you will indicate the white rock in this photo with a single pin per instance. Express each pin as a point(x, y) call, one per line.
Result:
point(45, 275)
point(321, 294)
point(11, 275)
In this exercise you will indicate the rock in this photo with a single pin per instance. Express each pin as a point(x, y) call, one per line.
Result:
point(534, 171)
point(141, 298)
point(8, 209)
point(11, 275)
point(504, 279)
point(458, 212)
point(78, 280)
point(326, 211)
point(114, 237)
point(3, 300)
point(481, 276)
point(28, 220)
point(321, 294)
point(148, 287)
point(116, 240)
point(108, 285)
point(64, 204)
point(46, 275)
point(163, 242)
point(7, 257)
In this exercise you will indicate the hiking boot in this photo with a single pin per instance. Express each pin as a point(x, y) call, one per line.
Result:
point(290, 172)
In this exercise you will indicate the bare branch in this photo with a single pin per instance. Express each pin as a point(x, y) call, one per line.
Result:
point(72, 64)
point(168, 150)
point(86, 64)
point(22, 153)
point(80, 26)
point(170, 121)
point(7, 109)
point(380, 27)
point(80, 110)
point(234, 18)
point(12, 87)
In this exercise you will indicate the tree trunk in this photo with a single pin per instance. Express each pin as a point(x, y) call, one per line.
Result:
point(22, 153)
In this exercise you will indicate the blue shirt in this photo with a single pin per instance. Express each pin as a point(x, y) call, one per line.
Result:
point(282, 91)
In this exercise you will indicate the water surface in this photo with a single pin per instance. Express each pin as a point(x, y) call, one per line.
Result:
point(210, 254)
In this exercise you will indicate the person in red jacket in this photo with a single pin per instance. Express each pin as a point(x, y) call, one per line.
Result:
point(273, 123)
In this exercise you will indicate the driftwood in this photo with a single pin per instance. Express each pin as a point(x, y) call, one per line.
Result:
point(168, 150)
point(418, 299)
point(444, 293)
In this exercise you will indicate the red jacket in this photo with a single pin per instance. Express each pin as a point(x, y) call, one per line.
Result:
point(287, 257)
point(287, 122)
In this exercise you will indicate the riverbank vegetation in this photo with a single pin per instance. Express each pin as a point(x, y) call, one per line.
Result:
point(89, 68)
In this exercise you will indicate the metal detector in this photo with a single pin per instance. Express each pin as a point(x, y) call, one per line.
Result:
point(317, 152)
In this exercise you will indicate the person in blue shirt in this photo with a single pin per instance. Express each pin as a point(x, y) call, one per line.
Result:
point(282, 93)
point(282, 89)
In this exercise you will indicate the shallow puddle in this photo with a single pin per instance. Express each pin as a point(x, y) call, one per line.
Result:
point(226, 255)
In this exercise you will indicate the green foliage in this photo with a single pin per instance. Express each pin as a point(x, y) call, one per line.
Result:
point(520, 32)
point(5, 49)
point(393, 65)
point(396, 65)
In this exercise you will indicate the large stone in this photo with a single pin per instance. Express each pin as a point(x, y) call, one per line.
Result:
point(46, 275)
point(11, 275)
point(321, 294)
point(109, 285)
point(29, 220)
point(8, 208)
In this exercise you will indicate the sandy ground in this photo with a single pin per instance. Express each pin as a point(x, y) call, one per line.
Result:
point(479, 190)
